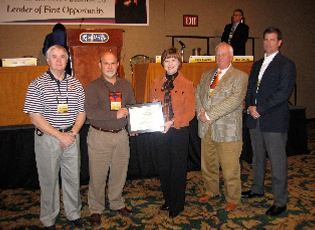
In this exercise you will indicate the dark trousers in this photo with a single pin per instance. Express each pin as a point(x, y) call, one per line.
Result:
point(171, 156)
point(274, 144)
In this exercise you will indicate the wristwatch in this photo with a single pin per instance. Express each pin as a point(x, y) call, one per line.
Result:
point(74, 134)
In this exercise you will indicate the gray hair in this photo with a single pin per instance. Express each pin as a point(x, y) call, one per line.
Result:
point(56, 47)
point(230, 48)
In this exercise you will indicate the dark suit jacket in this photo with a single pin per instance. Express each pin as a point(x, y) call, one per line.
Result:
point(58, 37)
point(239, 37)
point(274, 92)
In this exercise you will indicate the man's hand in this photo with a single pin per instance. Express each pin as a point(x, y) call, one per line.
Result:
point(122, 112)
point(253, 111)
point(202, 117)
point(66, 139)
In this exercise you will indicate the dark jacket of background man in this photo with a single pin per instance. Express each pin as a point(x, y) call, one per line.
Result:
point(240, 34)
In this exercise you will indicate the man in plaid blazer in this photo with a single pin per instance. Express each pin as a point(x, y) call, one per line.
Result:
point(219, 112)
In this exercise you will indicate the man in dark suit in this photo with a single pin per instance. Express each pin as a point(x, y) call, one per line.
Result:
point(236, 33)
point(270, 85)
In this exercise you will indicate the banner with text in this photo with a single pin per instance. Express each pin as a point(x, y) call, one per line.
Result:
point(132, 12)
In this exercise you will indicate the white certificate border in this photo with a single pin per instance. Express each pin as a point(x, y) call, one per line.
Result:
point(158, 122)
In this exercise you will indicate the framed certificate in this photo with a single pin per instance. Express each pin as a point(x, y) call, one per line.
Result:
point(145, 117)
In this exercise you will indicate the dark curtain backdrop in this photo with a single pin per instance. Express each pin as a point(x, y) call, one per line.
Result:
point(18, 166)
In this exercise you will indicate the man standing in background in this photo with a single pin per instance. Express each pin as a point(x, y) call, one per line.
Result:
point(236, 33)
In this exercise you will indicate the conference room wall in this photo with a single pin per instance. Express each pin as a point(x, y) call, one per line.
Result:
point(294, 18)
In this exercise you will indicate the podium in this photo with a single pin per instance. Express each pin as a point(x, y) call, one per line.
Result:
point(86, 47)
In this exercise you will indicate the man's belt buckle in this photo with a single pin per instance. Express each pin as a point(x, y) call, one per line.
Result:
point(66, 129)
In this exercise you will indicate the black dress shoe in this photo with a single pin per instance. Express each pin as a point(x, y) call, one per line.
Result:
point(173, 214)
point(79, 223)
point(165, 207)
point(52, 227)
point(276, 210)
point(250, 194)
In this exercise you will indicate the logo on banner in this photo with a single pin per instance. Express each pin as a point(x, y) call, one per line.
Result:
point(94, 37)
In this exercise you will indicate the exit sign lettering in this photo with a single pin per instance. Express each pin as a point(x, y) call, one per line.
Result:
point(190, 20)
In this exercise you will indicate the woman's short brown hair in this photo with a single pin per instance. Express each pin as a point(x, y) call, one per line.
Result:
point(172, 52)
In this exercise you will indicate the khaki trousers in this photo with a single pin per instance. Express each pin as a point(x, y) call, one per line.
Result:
point(107, 151)
point(226, 155)
point(50, 159)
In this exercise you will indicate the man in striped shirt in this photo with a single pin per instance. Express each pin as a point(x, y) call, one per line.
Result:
point(55, 103)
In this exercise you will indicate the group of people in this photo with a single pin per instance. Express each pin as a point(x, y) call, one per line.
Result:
point(58, 107)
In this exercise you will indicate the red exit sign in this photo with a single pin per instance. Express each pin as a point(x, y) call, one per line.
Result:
point(190, 20)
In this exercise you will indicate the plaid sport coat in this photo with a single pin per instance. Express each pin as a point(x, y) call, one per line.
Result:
point(225, 105)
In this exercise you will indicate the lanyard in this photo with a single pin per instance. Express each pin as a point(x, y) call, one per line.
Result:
point(58, 83)
point(105, 83)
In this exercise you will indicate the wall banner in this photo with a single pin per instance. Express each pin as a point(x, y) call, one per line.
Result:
point(131, 12)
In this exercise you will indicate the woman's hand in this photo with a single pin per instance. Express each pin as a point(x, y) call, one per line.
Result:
point(133, 134)
point(167, 125)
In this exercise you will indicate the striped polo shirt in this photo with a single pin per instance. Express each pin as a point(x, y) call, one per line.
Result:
point(46, 92)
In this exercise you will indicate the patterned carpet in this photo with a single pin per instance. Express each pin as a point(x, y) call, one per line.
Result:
point(19, 208)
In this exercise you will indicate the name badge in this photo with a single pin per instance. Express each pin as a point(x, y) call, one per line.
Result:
point(258, 83)
point(63, 108)
point(210, 92)
point(115, 101)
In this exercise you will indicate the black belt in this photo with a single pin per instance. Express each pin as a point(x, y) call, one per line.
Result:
point(40, 133)
point(107, 130)
point(66, 129)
